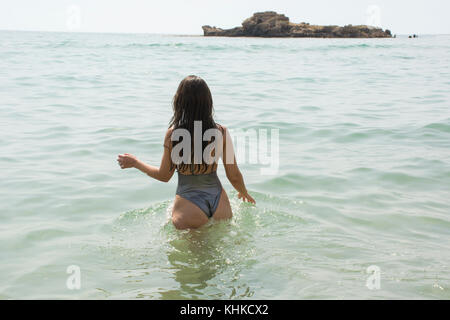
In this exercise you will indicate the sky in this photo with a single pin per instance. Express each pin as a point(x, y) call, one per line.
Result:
point(187, 16)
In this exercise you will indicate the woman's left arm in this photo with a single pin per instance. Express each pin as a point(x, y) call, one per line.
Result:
point(163, 173)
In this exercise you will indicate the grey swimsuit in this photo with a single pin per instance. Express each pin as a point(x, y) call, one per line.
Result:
point(203, 190)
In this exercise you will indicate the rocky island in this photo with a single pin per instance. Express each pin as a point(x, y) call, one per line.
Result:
point(272, 24)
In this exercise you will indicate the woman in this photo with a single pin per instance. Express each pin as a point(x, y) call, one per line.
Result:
point(199, 195)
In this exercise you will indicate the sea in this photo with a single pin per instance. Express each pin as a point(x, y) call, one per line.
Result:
point(357, 208)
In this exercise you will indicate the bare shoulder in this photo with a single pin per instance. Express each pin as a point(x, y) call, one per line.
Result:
point(222, 128)
point(168, 136)
point(168, 133)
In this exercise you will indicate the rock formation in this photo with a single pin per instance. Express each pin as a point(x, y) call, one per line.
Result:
point(272, 24)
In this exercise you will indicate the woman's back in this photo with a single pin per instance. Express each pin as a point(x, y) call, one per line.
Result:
point(199, 194)
point(192, 168)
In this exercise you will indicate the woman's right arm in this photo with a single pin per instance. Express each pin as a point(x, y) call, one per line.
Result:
point(232, 171)
point(162, 173)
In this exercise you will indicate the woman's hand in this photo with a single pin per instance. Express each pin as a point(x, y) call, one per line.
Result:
point(127, 160)
point(246, 197)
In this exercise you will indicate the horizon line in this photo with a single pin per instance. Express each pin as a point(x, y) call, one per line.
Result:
point(177, 34)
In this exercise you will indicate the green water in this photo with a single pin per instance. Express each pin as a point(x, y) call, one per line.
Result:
point(364, 176)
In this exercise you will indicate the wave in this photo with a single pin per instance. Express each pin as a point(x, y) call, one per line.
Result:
point(442, 127)
point(362, 135)
point(209, 46)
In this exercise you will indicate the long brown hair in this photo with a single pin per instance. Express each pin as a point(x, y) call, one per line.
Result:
point(193, 102)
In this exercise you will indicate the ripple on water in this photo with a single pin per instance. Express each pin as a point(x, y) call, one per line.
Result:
point(442, 127)
point(214, 260)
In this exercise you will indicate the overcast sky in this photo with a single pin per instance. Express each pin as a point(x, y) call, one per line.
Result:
point(187, 16)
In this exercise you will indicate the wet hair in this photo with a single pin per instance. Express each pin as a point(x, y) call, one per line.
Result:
point(193, 102)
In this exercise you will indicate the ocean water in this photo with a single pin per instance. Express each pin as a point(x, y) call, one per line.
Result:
point(364, 175)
